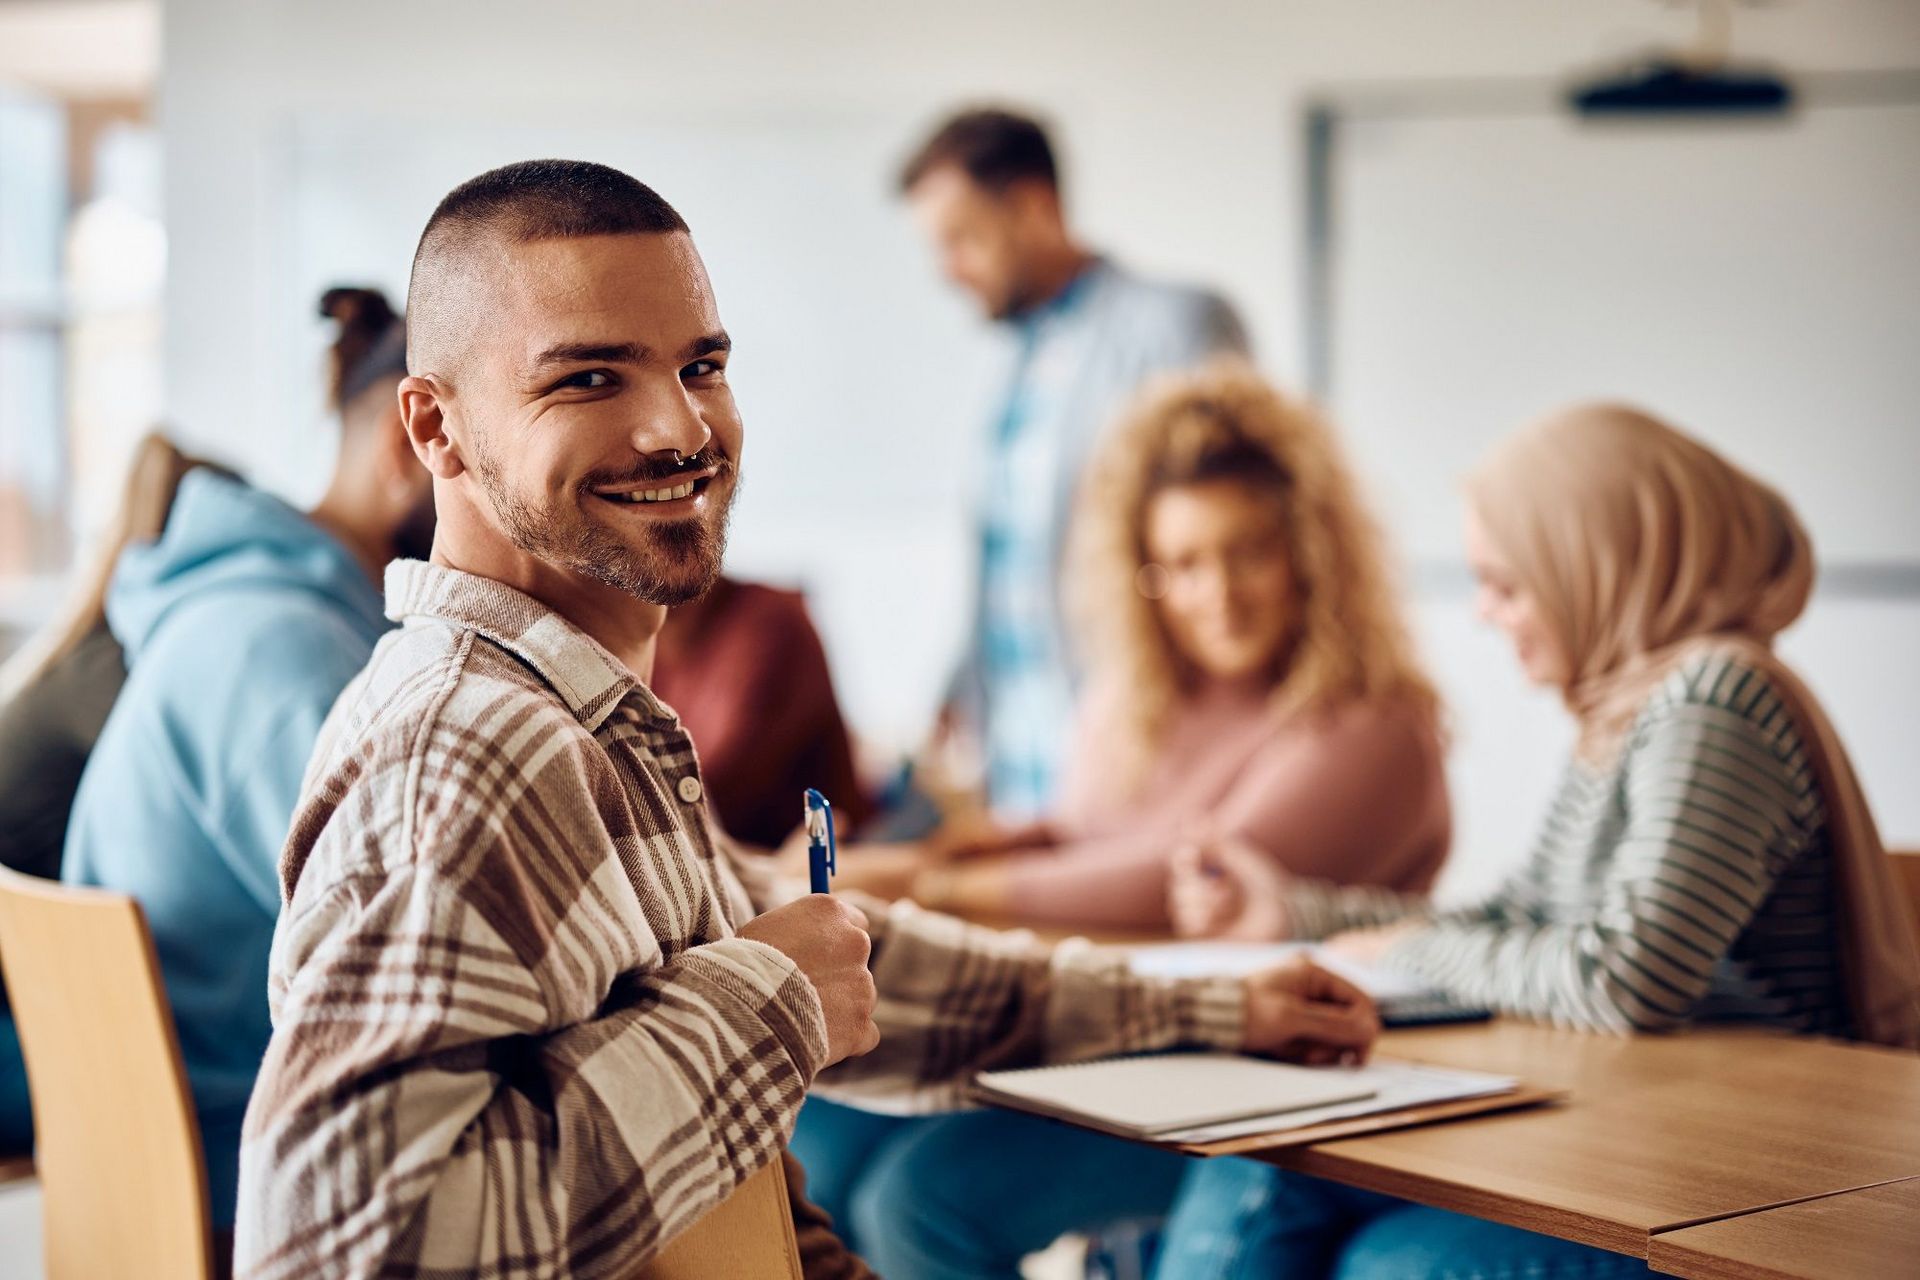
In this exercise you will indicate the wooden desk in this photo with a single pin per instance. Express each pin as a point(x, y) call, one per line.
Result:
point(1868, 1234)
point(1660, 1131)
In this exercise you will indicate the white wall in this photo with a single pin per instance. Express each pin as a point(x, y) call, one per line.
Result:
point(1757, 280)
point(1183, 157)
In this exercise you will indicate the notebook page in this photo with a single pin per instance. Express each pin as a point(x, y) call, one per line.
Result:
point(1214, 959)
point(1155, 1093)
point(1397, 1087)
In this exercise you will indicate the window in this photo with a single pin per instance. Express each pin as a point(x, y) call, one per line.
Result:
point(82, 261)
point(33, 210)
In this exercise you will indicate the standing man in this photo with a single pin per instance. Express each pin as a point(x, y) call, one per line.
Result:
point(526, 1020)
point(986, 191)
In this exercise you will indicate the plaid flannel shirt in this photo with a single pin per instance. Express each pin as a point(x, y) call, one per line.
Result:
point(515, 1033)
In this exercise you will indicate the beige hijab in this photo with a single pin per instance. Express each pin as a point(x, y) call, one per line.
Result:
point(1643, 549)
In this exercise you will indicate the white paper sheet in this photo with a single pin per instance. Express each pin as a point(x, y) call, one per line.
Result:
point(1147, 1095)
point(1396, 1085)
point(1238, 959)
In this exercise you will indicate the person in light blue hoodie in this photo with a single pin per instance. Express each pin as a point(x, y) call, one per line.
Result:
point(241, 623)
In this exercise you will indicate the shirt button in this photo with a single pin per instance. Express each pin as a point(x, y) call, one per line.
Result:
point(689, 789)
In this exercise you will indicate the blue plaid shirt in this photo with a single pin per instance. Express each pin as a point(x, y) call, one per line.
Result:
point(1080, 357)
point(1026, 685)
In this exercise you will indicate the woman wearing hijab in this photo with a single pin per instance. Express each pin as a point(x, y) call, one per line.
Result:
point(1708, 854)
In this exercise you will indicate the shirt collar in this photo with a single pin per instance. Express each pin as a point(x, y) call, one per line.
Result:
point(590, 680)
point(1037, 317)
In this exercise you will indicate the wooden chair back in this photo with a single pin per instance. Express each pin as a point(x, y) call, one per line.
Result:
point(116, 1144)
point(749, 1235)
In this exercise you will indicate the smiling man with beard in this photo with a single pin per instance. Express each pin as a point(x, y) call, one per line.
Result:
point(527, 1020)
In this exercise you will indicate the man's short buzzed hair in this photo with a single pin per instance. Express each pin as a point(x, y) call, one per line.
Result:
point(995, 148)
point(518, 203)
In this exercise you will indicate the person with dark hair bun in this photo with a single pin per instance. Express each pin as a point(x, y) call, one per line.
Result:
point(241, 620)
point(365, 318)
point(55, 693)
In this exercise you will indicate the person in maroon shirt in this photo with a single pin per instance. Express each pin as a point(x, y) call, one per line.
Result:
point(746, 672)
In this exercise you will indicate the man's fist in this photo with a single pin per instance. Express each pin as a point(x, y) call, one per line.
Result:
point(826, 938)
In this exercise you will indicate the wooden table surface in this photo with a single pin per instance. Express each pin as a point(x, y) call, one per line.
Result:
point(1857, 1235)
point(1662, 1137)
point(1659, 1131)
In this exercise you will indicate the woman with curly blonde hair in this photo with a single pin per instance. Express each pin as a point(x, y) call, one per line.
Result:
point(1250, 678)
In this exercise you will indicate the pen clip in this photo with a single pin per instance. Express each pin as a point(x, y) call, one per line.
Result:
point(820, 832)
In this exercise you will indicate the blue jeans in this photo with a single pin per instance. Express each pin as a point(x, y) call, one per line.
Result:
point(964, 1196)
point(16, 1112)
point(1238, 1220)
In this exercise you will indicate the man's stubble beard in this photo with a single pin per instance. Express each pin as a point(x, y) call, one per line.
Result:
point(681, 564)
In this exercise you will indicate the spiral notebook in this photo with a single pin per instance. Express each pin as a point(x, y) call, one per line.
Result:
point(1157, 1095)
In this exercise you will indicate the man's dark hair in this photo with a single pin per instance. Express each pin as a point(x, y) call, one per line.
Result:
point(369, 347)
point(554, 199)
point(994, 148)
point(531, 200)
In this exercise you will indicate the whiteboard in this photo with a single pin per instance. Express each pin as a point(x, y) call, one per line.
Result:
point(858, 376)
point(1756, 282)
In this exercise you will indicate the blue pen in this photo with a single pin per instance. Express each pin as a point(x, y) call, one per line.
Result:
point(822, 851)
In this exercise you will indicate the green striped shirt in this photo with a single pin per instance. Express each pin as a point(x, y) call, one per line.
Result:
point(1690, 881)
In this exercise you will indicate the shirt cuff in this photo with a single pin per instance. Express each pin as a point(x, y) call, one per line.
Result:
point(1211, 1012)
point(771, 987)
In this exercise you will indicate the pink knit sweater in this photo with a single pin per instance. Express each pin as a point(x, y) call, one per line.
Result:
point(1356, 796)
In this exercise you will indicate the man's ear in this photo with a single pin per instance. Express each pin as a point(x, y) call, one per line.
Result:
point(425, 423)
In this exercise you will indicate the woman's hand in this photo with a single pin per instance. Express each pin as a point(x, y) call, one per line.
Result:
point(1366, 947)
point(884, 870)
point(961, 840)
point(1299, 1011)
point(1227, 888)
point(975, 890)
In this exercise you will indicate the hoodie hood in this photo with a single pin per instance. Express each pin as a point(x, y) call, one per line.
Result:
point(224, 535)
